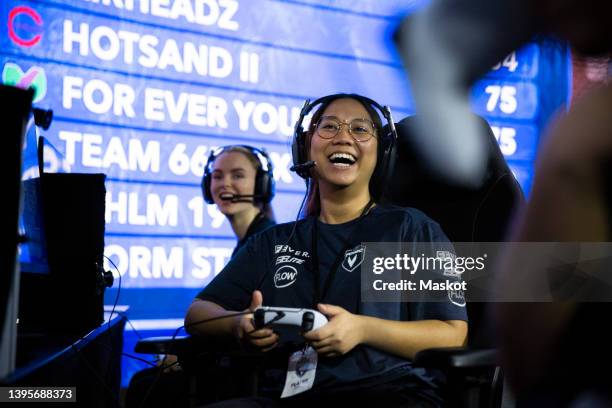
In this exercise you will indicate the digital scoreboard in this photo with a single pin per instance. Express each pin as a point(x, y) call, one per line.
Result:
point(142, 90)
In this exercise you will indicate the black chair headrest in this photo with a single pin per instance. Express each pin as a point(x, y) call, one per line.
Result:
point(458, 210)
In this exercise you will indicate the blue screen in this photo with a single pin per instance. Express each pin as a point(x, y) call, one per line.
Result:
point(142, 90)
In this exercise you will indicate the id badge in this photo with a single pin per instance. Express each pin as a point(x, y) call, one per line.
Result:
point(301, 372)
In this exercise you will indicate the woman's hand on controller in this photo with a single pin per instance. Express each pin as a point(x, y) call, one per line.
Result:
point(340, 335)
point(263, 339)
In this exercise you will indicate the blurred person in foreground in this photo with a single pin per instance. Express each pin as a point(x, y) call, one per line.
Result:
point(555, 353)
point(548, 349)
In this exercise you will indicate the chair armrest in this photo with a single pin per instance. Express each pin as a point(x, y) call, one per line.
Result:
point(196, 347)
point(456, 357)
point(187, 345)
point(164, 345)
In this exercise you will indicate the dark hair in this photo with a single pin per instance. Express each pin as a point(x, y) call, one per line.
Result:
point(265, 208)
point(313, 200)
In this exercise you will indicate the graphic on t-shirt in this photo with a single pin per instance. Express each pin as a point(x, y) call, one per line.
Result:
point(353, 258)
point(288, 260)
point(286, 249)
point(449, 261)
point(285, 276)
point(457, 297)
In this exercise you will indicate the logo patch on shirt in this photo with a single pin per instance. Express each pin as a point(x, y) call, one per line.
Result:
point(353, 258)
point(285, 276)
point(448, 262)
point(457, 297)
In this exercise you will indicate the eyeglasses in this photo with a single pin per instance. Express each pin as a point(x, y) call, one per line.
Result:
point(361, 130)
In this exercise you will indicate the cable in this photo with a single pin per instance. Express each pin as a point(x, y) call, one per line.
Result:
point(297, 219)
point(143, 404)
point(110, 346)
point(151, 363)
point(299, 213)
point(279, 314)
point(97, 375)
point(176, 332)
point(110, 341)
point(128, 321)
point(212, 319)
point(102, 381)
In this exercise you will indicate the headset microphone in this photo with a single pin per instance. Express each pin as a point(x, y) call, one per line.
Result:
point(240, 198)
point(264, 178)
point(302, 169)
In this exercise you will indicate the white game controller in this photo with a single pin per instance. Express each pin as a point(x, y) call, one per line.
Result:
point(307, 319)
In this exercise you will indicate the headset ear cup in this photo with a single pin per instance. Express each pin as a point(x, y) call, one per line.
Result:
point(298, 147)
point(384, 164)
point(206, 179)
point(206, 188)
point(270, 184)
point(376, 179)
point(389, 163)
point(262, 189)
point(266, 187)
point(264, 182)
point(390, 157)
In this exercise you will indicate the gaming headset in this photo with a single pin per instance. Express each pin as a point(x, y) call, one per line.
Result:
point(387, 140)
point(264, 179)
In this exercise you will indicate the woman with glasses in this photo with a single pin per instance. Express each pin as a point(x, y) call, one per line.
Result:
point(363, 353)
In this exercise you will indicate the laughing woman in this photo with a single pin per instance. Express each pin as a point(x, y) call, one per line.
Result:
point(364, 352)
point(239, 180)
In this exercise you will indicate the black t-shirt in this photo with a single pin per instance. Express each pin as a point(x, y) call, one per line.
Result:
point(259, 224)
point(277, 262)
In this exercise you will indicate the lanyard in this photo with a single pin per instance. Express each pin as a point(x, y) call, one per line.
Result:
point(318, 295)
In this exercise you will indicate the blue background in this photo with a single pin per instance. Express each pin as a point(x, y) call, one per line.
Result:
point(168, 244)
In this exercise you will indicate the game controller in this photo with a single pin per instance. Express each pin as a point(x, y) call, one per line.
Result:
point(306, 319)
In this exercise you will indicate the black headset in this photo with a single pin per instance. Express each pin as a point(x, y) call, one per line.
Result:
point(387, 140)
point(264, 179)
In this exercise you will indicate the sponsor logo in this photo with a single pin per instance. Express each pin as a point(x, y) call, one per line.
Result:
point(282, 249)
point(448, 262)
point(353, 258)
point(285, 276)
point(35, 77)
point(24, 26)
point(289, 259)
point(457, 297)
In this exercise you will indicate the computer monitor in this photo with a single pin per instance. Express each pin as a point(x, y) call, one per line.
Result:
point(16, 104)
point(39, 157)
point(50, 159)
point(33, 248)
